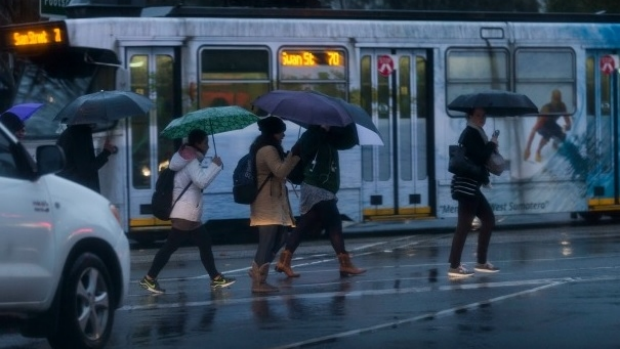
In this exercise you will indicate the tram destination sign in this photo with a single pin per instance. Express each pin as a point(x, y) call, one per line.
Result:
point(312, 64)
point(311, 58)
point(34, 36)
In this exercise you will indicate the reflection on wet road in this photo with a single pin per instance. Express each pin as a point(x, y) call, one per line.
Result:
point(557, 287)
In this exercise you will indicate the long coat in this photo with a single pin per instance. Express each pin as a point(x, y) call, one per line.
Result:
point(272, 206)
point(82, 165)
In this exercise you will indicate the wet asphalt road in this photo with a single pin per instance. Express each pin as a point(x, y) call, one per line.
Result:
point(558, 287)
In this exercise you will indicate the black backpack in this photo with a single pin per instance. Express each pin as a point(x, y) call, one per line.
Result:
point(245, 188)
point(161, 201)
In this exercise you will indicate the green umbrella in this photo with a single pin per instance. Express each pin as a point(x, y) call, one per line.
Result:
point(212, 120)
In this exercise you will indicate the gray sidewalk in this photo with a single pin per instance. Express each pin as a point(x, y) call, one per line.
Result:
point(446, 225)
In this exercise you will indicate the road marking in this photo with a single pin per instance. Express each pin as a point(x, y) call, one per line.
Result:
point(362, 293)
point(424, 317)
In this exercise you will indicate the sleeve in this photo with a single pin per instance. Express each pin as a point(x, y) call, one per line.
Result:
point(82, 151)
point(310, 141)
point(279, 168)
point(202, 176)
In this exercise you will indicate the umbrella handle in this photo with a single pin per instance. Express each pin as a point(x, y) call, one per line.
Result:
point(213, 139)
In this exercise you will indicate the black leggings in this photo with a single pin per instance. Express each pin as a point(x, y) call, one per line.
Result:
point(476, 206)
point(270, 239)
point(199, 236)
point(323, 215)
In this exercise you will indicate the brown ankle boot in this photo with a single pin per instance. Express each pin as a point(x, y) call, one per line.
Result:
point(346, 267)
point(259, 279)
point(284, 264)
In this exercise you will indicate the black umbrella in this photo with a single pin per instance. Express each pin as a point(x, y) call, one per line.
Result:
point(104, 106)
point(495, 103)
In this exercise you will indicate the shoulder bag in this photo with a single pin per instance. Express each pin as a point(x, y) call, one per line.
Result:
point(460, 165)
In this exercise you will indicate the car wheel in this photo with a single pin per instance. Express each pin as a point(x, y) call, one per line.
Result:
point(87, 306)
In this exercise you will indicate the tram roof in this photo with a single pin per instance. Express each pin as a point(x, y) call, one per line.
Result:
point(181, 11)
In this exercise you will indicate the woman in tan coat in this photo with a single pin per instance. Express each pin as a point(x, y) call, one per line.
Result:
point(271, 211)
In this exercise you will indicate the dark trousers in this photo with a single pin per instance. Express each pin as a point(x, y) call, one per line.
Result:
point(199, 236)
point(470, 207)
point(323, 215)
point(270, 239)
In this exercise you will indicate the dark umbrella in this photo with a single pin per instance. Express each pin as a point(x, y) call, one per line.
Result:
point(24, 110)
point(495, 103)
point(304, 108)
point(104, 106)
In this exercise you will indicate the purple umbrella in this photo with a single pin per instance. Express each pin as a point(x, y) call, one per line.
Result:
point(304, 107)
point(24, 110)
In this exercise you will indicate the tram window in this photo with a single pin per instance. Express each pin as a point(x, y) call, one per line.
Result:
point(421, 117)
point(590, 85)
point(366, 104)
point(474, 70)
point(140, 131)
point(335, 90)
point(56, 81)
point(233, 76)
point(234, 64)
point(406, 119)
point(540, 71)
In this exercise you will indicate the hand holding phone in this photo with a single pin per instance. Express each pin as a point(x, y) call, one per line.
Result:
point(496, 133)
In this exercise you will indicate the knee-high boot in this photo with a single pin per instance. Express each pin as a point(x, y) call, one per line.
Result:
point(346, 266)
point(259, 279)
point(284, 264)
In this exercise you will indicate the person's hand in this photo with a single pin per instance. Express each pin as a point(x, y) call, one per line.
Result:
point(216, 160)
point(526, 154)
point(296, 149)
point(107, 145)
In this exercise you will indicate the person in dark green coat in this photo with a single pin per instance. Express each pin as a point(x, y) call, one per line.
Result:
point(319, 147)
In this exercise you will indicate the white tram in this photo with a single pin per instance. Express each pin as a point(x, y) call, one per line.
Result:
point(403, 68)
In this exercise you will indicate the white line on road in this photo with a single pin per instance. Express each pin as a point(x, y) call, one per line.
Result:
point(429, 316)
point(361, 293)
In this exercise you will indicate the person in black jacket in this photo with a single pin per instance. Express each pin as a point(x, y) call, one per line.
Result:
point(82, 164)
point(471, 202)
point(319, 147)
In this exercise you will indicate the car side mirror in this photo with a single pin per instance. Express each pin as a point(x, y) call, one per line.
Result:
point(50, 159)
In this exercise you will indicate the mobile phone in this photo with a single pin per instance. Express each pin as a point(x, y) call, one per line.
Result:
point(496, 133)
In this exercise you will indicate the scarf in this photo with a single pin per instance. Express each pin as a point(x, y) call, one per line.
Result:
point(484, 136)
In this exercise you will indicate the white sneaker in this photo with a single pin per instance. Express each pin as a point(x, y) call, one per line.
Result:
point(460, 272)
point(486, 268)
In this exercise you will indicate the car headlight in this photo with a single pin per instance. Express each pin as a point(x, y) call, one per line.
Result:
point(116, 214)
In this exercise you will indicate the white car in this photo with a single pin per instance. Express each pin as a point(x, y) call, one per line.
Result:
point(64, 259)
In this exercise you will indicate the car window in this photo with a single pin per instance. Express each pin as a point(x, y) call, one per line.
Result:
point(8, 167)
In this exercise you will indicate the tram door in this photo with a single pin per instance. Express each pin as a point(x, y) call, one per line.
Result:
point(603, 129)
point(151, 74)
point(395, 180)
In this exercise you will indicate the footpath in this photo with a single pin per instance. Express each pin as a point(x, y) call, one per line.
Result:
point(447, 225)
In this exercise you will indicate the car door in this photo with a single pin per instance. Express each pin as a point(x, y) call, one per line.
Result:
point(26, 230)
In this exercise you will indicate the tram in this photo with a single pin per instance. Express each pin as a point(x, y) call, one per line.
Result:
point(402, 67)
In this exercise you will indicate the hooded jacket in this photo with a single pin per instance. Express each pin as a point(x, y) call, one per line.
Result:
point(186, 162)
point(322, 167)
